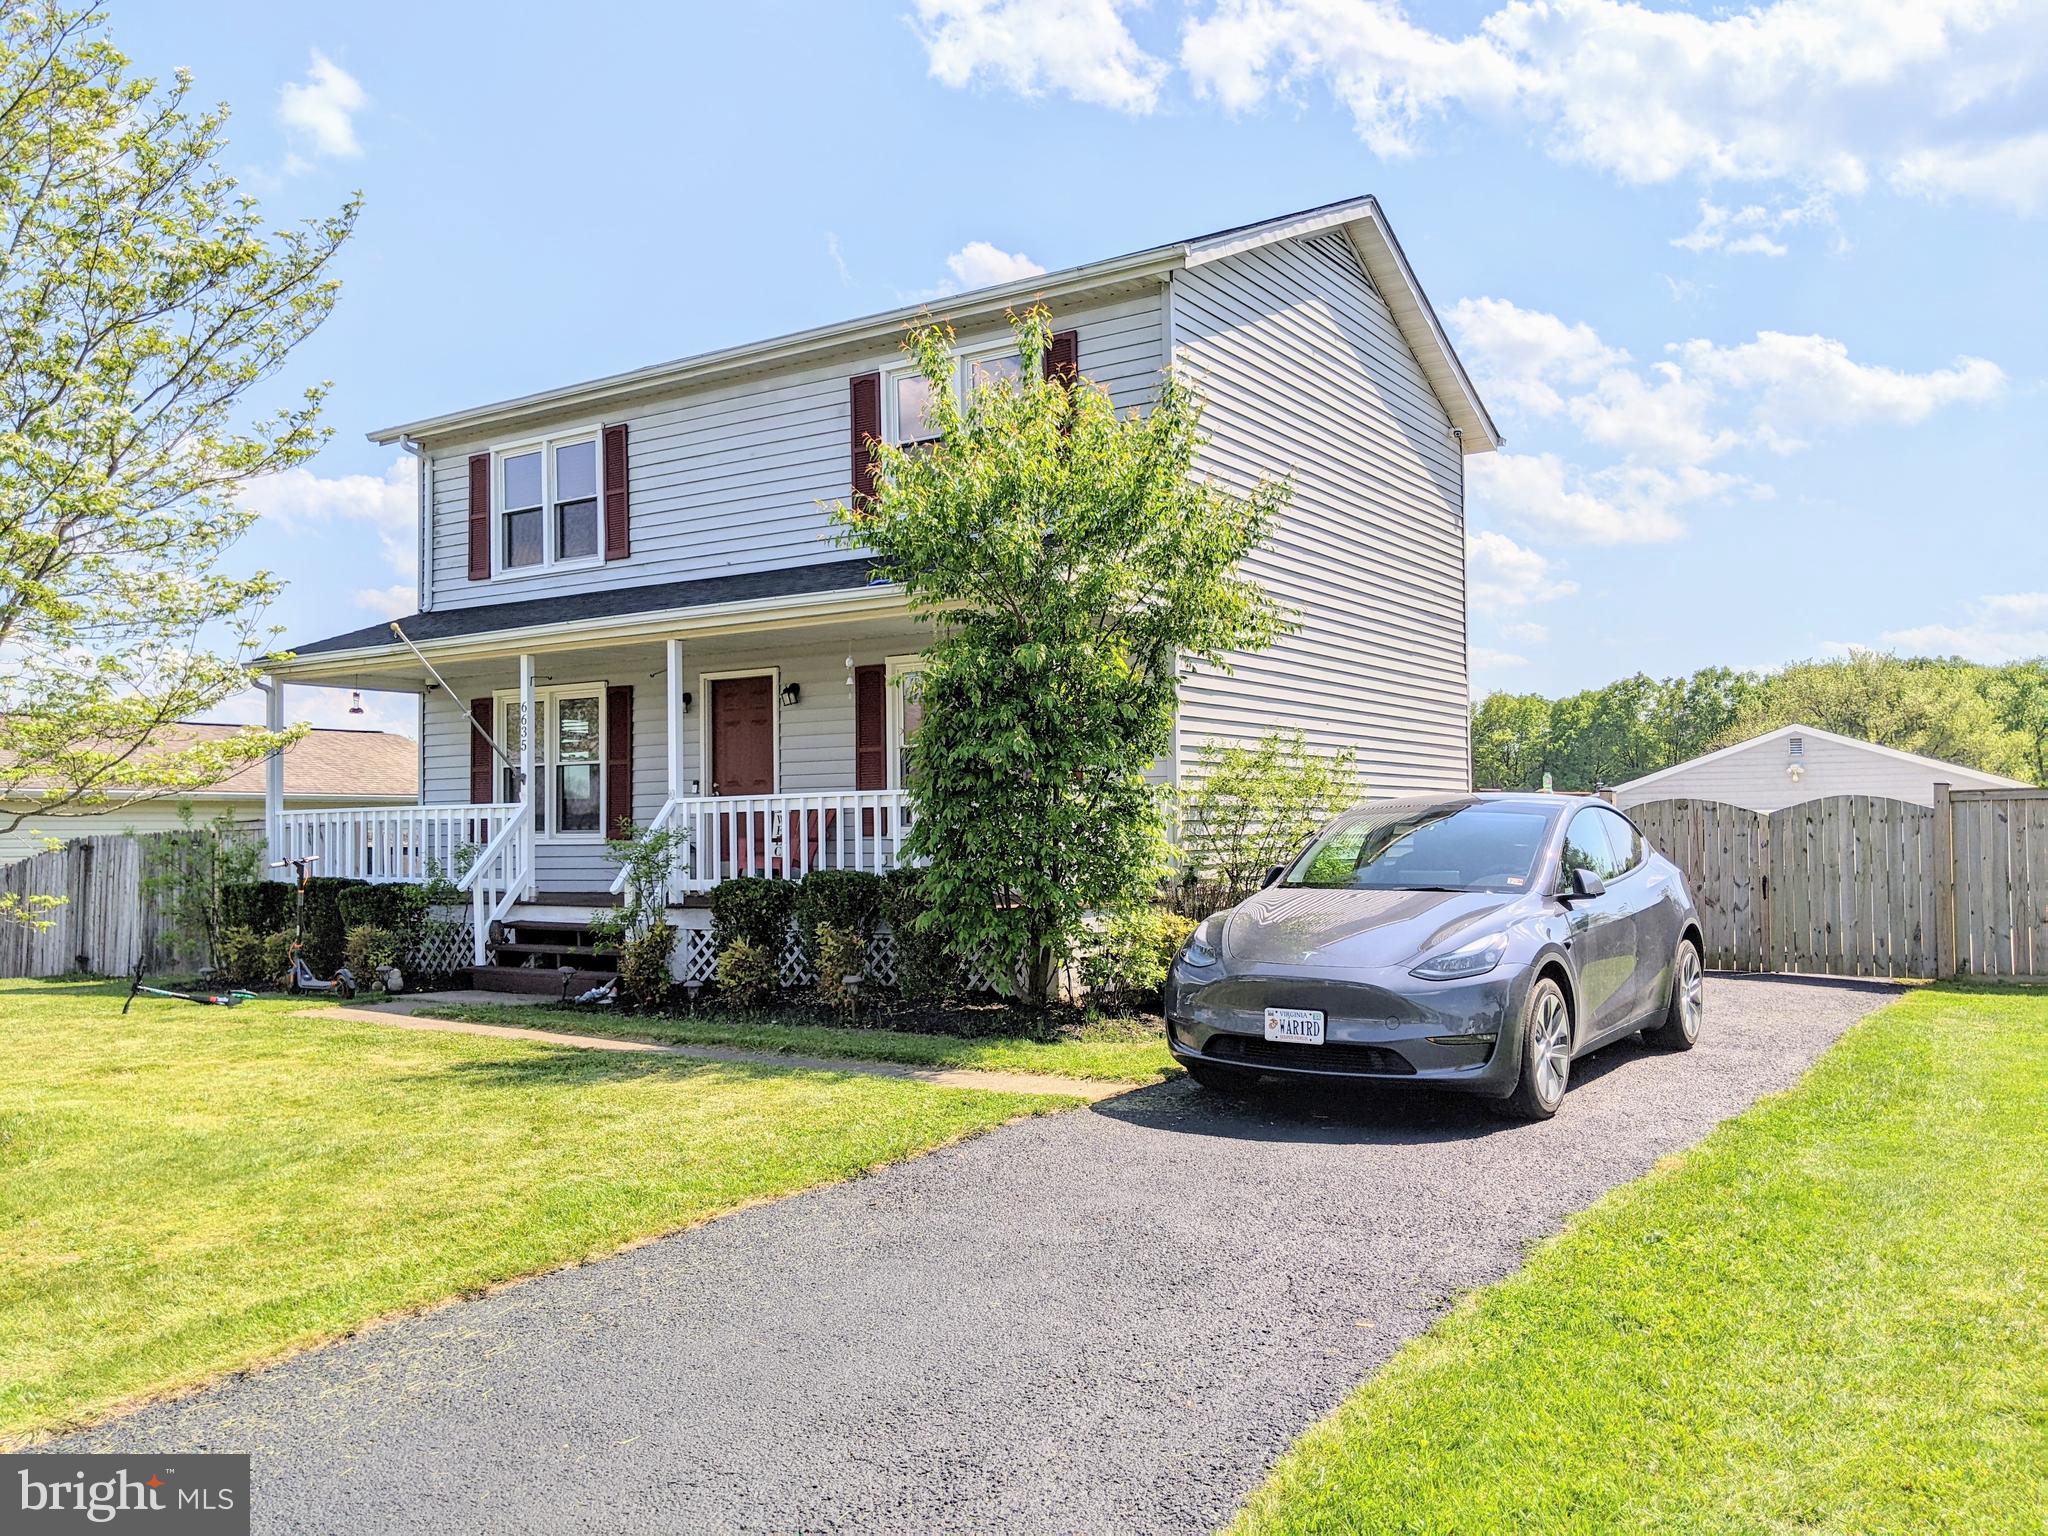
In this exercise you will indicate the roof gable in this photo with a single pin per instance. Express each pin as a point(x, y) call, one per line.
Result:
point(1796, 729)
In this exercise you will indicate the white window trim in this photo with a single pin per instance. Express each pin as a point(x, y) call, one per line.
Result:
point(507, 699)
point(545, 446)
point(964, 359)
point(704, 726)
point(896, 669)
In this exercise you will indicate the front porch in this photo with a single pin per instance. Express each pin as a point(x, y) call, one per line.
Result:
point(774, 748)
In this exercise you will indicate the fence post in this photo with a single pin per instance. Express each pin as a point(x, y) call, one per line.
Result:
point(1943, 874)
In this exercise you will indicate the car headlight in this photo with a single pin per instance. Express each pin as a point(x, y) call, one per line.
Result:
point(1473, 959)
point(1204, 947)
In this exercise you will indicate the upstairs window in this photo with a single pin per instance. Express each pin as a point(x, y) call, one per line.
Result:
point(548, 497)
point(908, 398)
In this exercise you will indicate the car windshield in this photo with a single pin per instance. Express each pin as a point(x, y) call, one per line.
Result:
point(1458, 845)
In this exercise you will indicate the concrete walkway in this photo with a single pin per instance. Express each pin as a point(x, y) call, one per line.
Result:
point(1109, 1321)
point(402, 1013)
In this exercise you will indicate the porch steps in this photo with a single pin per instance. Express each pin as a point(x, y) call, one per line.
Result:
point(533, 945)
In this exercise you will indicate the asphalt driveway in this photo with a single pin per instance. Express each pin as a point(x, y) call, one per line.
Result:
point(1109, 1320)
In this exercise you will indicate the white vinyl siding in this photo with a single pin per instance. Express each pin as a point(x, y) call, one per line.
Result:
point(735, 478)
point(1306, 375)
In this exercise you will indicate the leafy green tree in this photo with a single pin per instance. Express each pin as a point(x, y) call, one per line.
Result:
point(1937, 707)
point(1254, 807)
point(141, 298)
point(1510, 741)
point(1067, 559)
point(2019, 694)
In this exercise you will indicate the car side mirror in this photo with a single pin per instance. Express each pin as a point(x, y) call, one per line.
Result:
point(1272, 875)
point(1585, 884)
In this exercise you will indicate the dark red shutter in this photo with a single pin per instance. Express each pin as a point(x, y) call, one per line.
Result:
point(864, 393)
point(1063, 357)
point(618, 761)
point(618, 538)
point(483, 762)
point(480, 517)
point(870, 736)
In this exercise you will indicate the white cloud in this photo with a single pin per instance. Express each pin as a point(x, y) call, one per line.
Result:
point(978, 264)
point(1665, 425)
point(386, 506)
point(1526, 631)
point(1801, 383)
point(2009, 627)
point(1749, 230)
point(2012, 171)
point(838, 258)
point(1503, 574)
point(1484, 658)
point(318, 113)
point(1823, 95)
point(1524, 353)
point(1080, 48)
point(1542, 494)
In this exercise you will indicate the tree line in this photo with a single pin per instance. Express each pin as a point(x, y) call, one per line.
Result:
point(1985, 717)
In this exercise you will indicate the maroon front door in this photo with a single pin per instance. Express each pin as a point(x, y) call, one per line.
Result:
point(743, 763)
point(743, 736)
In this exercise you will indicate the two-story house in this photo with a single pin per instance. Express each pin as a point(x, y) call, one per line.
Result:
point(631, 605)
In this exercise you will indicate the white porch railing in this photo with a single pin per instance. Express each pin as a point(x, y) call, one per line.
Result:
point(501, 876)
point(783, 837)
point(411, 843)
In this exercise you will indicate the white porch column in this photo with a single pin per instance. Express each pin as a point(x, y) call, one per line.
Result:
point(273, 778)
point(529, 790)
point(675, 719)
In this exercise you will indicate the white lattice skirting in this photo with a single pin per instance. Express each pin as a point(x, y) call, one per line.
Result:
point(696, 960)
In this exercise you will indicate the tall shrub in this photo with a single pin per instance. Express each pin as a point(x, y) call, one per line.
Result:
point(1068, 559)
point(1252, 808)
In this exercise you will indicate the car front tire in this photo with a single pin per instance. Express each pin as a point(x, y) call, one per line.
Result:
point(1680, 1030)
point(1218, 1078)
point(1546, 1068)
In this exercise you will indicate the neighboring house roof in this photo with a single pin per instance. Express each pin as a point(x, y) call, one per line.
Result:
point(1359, 217)
point(1914, 758)
point(358, 765)
point(605, 603)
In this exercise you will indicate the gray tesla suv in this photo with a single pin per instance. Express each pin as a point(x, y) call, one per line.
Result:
point(1478, 942)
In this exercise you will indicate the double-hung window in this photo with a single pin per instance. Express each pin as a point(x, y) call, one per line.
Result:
point(548, 503)
point(907, 399)
point(568, 757)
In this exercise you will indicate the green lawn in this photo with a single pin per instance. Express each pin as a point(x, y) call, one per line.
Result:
point(1113, 1051)
point(190, 1190)
point(1832, 1316)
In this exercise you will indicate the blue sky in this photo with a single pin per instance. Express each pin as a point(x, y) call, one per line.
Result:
point(1756, 295)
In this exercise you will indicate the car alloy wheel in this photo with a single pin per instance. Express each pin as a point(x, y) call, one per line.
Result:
point(1550, 1042)
point(1691, 991)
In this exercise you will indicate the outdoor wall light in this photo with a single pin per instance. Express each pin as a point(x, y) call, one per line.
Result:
point(792, 693)
point(355, 701)
point(687, 702)
point(1794, 772)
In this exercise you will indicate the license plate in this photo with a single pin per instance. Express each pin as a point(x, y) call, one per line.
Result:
point(1300, 1026)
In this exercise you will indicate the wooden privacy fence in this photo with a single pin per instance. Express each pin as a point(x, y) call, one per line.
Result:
point(1852, 885)
point(104, 923)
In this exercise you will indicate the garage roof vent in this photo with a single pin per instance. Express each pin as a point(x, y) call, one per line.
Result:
point(1798, 746)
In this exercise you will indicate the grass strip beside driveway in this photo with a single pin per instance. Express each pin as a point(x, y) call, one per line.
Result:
point(1114, 1054)
point(1831, 1316)
point(191, 1190)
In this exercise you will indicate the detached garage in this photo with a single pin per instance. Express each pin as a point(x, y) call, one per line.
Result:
point(1797, 763)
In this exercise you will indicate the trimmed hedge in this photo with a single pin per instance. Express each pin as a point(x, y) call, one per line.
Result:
point(926, 970)
point(264, 906)
point(754, 909)
point(401, 909)
point(849, 900)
